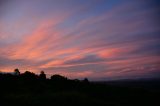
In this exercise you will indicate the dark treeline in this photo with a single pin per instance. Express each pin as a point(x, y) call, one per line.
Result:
point(30, 76)
point(30, 89)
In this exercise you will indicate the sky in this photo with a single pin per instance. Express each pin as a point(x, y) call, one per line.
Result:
point(97, 39)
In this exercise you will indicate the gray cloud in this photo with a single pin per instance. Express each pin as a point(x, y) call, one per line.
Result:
point(86, 59)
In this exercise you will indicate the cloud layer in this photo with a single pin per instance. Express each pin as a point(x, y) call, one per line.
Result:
point(98, 39)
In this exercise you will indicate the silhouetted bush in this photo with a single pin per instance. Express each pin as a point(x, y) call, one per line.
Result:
point(85, 80)
point(57, 77)
point(29, 76)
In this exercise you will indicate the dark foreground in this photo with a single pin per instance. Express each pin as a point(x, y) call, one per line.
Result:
point(17, 91)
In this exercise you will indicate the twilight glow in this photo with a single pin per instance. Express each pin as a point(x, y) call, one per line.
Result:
point(98, 39)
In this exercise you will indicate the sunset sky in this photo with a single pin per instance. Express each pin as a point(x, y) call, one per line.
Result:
point(97, 39)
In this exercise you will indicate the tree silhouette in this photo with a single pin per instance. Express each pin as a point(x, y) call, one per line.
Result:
point(42, 75)
point(16, 71)
point(85, 80)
